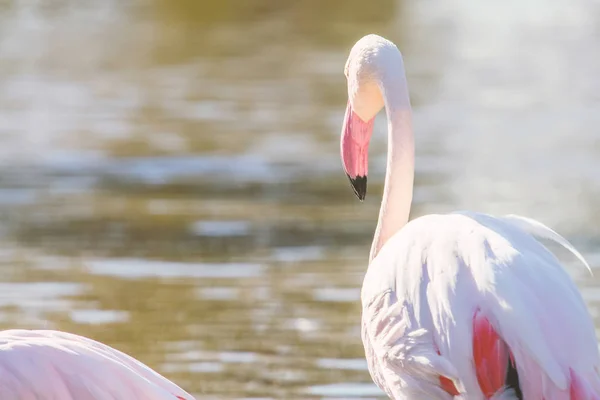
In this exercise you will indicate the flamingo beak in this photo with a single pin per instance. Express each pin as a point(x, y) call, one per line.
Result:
point(356, 135)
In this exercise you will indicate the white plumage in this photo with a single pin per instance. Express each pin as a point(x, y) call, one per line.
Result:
point(52, 365)
point(423, 289)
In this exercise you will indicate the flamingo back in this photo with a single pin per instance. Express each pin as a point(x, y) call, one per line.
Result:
point(44, 364)
point(460, 298)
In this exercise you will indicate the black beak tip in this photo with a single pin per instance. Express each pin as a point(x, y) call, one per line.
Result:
point(359, 185)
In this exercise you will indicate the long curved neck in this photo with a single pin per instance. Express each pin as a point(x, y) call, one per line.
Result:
point(399, 176)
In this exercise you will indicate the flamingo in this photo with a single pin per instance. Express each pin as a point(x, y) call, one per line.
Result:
point(463, 305)
point(53, 365)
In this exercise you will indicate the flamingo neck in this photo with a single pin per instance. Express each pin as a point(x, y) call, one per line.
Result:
point(399, 176)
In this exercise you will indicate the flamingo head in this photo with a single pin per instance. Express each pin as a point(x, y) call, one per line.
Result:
point(370, 61)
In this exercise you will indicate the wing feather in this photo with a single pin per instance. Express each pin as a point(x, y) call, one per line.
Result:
point(439, 269)
point(540, 230)
point(49, 365)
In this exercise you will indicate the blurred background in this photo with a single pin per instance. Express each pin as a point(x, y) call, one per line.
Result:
point(170, 181)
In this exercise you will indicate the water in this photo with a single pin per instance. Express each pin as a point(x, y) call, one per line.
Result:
point(170, 181)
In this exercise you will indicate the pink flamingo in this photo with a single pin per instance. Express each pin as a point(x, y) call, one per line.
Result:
point(52, 365)
point(464, 305)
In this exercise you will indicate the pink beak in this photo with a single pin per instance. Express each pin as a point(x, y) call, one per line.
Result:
point(356, 135)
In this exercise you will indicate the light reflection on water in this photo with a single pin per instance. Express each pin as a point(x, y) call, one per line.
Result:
point(139, 269)
point(171, 184)
point(348, 390)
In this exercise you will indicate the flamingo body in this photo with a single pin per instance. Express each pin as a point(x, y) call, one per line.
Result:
point(471, 286)
point(52, 365)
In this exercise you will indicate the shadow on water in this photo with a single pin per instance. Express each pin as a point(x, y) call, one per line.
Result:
point(170, 180)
